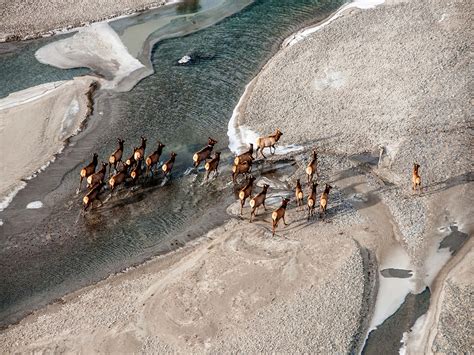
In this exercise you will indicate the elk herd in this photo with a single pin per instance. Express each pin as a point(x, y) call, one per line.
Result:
point(136, 165)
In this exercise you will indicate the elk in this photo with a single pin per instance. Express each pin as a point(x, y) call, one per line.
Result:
point(312, 200)
point(118, 178)
point(243, 168)
point(139, 153)
point(312, 167)
point(416, 178)
point(278, 214)
point(204, 153)
point(268, 142)
point(88, 170)
point(213, 165)
point(92, 195)
point(135, 173)
point(245, 192)
point(246, 156)
point(168, 165)
point(97, 177)
point(323, 203)
point(116, 156)
point(153, 158)
point(257, 201)
point(299, 193)
point(130, 162)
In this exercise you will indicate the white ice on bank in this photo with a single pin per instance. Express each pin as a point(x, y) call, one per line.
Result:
point(359, 4)
point(34, 205)
point(240, 136)
point(97, 47)
point(9, 198)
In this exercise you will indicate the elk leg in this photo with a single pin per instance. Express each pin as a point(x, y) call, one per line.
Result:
point(241, 206)
point(261, 151)
point(80, 186)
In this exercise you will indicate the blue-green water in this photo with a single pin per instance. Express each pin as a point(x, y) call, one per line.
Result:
point(49, 252)
point(20, 70)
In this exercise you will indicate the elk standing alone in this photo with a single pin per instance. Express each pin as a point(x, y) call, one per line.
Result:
point(204, 153)
point(312, 167)
point(268, 142)
point(416, 178)
point(278, 214)
point(258, 201)
point(88, 170)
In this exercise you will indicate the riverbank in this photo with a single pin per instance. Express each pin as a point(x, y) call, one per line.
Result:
point(36, 123)
point(23, 20)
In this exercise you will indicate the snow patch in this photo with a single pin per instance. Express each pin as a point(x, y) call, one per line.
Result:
point(9, 197)
point(34, 205)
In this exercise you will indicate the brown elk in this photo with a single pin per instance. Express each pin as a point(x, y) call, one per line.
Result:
point(257, 201)
point(118, 178)
point(243, 168)
point(246, 156)
point(136, 172)
point(312, 200)
point(213, 165)
point(323, 203)
point(312, 167)
point(268, 142)
point(130, 162)
point(245, 192)
point(116, 156)
point(153, 158)
point(204, 153)
point(278, 214)
point(139, 153)
point(168, 165)
point(92, 195)
point(299, 193)
point(97, 177)
point(88, 170)
point(416, 178)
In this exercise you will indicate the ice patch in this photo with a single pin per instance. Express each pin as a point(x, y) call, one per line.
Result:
point(9, 198)
point(184, 59)
point(412, 340)
point(359, 4)
point(34, 205)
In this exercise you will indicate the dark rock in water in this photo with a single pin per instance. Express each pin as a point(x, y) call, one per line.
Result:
point(397, 273)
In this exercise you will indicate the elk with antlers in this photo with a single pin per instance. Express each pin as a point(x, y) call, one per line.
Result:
point(268, 142)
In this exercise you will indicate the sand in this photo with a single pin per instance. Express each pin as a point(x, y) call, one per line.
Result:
point(394, 77)
point(36, 123)
point(26, 19)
